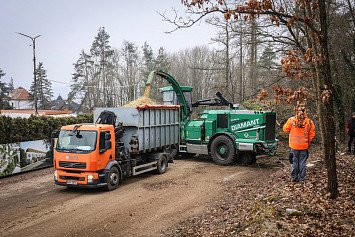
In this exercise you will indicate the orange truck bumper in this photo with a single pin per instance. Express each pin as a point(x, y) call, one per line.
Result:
point(79, 179)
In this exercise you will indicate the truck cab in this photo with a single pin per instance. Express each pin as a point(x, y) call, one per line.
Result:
point(170, 98)
point(81, 151)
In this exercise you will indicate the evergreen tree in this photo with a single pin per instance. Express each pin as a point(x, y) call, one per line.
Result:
point(11, 84)
point(95, 74)
point(129, 69)
point(2, 73)
point(43, 88)
point(102, 53)
point(267, 59)
point(162, 61)
point(100, 47)
point(2, 90)
point(81, 87)
point(148, 60)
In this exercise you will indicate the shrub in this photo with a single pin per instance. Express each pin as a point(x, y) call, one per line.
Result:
point(35, 128)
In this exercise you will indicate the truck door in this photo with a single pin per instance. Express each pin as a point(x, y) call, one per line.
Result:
point(105, 149)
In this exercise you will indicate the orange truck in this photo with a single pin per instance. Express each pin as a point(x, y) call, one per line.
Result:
point(122, 142)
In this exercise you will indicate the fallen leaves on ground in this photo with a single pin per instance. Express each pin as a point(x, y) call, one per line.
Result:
point(258, 207)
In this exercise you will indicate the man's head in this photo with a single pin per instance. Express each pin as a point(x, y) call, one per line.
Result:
point(300, 112)
point(353, 115)
point(300, 115)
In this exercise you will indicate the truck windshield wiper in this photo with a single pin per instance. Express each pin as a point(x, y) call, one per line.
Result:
point(68, 149)
point(65, 149)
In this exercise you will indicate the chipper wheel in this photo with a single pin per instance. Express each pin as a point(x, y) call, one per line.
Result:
point(222, 150)
point(247, 158)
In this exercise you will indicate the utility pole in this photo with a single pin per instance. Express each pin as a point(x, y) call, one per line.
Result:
point(34, 68)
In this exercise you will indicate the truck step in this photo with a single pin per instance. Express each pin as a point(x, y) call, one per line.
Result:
point(183, 148)
point(144, 168)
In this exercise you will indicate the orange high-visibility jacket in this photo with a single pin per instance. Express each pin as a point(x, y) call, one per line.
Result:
point(300, 137)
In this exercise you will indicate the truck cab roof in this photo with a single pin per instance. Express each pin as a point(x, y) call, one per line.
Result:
point(88, 126)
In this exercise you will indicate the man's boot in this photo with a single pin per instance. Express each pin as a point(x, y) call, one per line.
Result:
point(349, 148)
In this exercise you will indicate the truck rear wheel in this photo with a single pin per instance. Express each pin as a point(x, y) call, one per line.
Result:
point(113, 179)
point(222, 150)
point(162, 164)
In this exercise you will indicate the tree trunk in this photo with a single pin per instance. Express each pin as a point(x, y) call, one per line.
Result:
point(338, 92)
point(253, 57)
point(227, 59)
point(240, 82)
point(316, 78)
point(330, 159)
point(340, 113)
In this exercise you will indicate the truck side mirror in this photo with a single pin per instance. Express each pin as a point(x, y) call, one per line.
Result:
point(108, 145)
point(105, 142)
point(55, 134)
point(107, 136)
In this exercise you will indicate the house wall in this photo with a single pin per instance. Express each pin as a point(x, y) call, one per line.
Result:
point(21, 104)
point(32, 155)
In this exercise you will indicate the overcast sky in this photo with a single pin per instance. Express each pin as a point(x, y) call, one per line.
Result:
point(68, 26)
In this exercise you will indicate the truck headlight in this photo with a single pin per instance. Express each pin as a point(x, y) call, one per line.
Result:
point(90, 177)
point(55, 175)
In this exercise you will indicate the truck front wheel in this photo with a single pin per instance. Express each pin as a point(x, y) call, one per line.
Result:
point(222, 150)
point(113, 179)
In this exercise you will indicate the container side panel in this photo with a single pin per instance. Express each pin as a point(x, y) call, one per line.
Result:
point(146, 117)
point(157, 116)
point(152, 117)
point(155, 128)
point(167, 116)
point(146, 140)
point(128, 116)
point(163, 135)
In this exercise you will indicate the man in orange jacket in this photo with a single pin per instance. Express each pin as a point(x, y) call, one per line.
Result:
point(302, 132)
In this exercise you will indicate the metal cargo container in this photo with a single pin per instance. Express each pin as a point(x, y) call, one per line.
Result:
point(147, 128)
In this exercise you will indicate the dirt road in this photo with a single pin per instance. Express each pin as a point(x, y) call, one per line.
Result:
point(31, 205)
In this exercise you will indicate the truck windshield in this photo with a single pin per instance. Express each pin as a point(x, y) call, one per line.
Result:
point(78, 140)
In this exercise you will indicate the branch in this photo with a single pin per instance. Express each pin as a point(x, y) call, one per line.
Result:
point(206, 69)
point(180, 23)
point(267, 86)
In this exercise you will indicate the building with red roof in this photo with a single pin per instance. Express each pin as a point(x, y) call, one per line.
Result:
point(20, 98)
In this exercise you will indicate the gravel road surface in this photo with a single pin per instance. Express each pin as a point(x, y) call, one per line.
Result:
point(31, 205)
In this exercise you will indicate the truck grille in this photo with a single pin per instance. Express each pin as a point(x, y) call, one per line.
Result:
point(72, 178)
point(77, 165)
point(270, 127)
